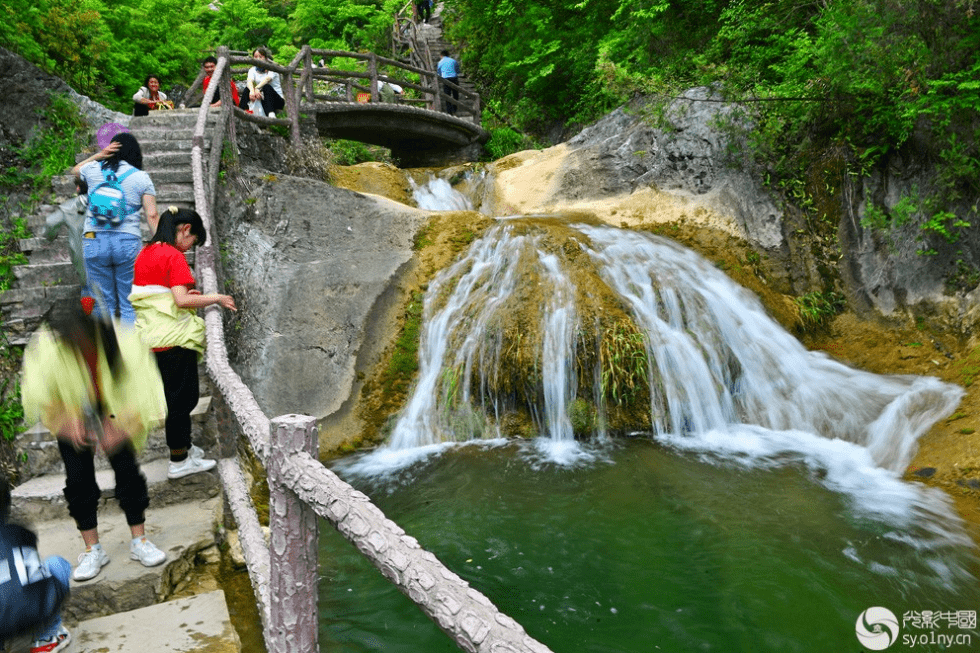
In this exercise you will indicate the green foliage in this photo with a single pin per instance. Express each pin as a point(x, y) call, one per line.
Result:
point(11, 410)
point(818, 308)
point(504, 141)
point(51, 150)
point(405, 359)
point(348, 153)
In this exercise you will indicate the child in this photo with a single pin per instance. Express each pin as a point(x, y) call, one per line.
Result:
point(31, 592)
point(71, 214)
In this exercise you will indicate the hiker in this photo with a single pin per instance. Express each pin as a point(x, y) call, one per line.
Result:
point(31, 591)
point(209, 65)
point(423, 11)
point(166, 319)
point(71, 215)
point(389, 92)
point(150, 97)
point(118, 189)
point(94, 385)
point(448, 69)
point(264, 95)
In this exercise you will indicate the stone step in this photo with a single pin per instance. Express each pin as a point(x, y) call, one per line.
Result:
point(158, 160)
point(45, 274)
point(184, 531)
point(169, 175)
point(41, 499)
point(196, 624)
point(168, 194)
point(42, 250)
point(37, 448)
point(166, 118)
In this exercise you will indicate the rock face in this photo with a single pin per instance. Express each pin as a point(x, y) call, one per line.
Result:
point(311, 264)
point(882, 273)
point(28, 89)
point(625, 151)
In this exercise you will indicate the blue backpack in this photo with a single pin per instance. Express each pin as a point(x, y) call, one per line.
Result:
point(107, 203)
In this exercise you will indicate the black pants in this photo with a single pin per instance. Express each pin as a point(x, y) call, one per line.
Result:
point(178, 371)
point(449, 90)
point(271, 101)
point(423, 10)
point(82, 491)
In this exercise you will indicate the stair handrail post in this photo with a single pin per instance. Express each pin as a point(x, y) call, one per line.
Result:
point(224, 124)
point(308, 63)
point(373, 70)
point(293, 557)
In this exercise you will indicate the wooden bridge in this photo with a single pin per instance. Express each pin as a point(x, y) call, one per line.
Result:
point(342, 95)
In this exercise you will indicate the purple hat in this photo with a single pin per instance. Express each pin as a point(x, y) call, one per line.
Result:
point(104, 136)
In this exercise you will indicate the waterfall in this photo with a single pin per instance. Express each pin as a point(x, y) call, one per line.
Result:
point(508, 332)
point(438, 195)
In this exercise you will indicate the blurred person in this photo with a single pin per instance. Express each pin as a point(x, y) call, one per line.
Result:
point(31, 591)
point(111, 239)
point(70, 215)
point(93, 384)
point(166, 304)
point(448, 69)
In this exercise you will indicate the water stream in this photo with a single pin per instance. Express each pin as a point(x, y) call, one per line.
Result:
point(759, 508)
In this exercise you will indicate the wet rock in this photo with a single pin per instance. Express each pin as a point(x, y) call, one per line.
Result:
point(925, 472)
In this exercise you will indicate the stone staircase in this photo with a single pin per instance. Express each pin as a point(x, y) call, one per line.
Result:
point(127, 607)
point(165, 139)
point(432, 33)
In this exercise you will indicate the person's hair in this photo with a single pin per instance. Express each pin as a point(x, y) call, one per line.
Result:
point(81, 185)
point(211, 59)
point(445, 53)
point(171, 219)
point(71, 324)
point(129, 151)
point(146, 82)
point(266, 52)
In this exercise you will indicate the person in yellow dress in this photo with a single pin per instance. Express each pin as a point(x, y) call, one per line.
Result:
point(94, 385)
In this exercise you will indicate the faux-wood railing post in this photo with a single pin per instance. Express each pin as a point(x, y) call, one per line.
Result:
point(373, 71)
point(308, 62)
point(293, 545)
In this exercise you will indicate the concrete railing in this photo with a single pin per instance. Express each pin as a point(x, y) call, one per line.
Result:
point(284, 571)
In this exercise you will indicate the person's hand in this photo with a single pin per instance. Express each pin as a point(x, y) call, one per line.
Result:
point(113, 437)
point(108, 150)
point(227, 301)
point(73, 430)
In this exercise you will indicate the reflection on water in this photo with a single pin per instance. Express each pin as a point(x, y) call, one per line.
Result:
point(649, 544)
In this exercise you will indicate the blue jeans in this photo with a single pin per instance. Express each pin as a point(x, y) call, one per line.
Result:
point(60, 569)
point(109, 261)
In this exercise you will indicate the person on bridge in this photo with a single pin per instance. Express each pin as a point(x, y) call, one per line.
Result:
point(448, 69)
point(166, 306)
point(111, 236)
point(150, 97)
point(93, 384)
point(263, 86)
point(209, 65)
point(423, 11)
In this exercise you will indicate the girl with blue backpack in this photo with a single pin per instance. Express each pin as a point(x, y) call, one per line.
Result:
point(111, 235)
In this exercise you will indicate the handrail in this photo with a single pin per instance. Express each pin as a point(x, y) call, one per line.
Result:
point(284, 570)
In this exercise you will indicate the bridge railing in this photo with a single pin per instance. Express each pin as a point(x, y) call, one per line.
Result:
point(283, 570)
point(303, 78)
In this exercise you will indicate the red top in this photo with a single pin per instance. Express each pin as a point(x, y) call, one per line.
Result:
point(234, 89)
point(160, 264)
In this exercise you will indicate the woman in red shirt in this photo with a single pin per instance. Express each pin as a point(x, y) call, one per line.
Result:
point(166, 306)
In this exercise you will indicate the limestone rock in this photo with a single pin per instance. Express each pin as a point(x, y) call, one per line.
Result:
point(311, 265)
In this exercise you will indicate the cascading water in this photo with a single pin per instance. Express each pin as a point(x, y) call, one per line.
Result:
point(714, 359)
point(765, 510)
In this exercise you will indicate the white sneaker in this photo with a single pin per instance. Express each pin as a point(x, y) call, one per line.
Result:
point(90, 563)
point(272, 114)
point(195, 452)
point(190, 465)
point(57, 642)
point(146, 552)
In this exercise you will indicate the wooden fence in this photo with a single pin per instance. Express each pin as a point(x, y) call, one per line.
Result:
point(283, 570)
point(350, 77)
